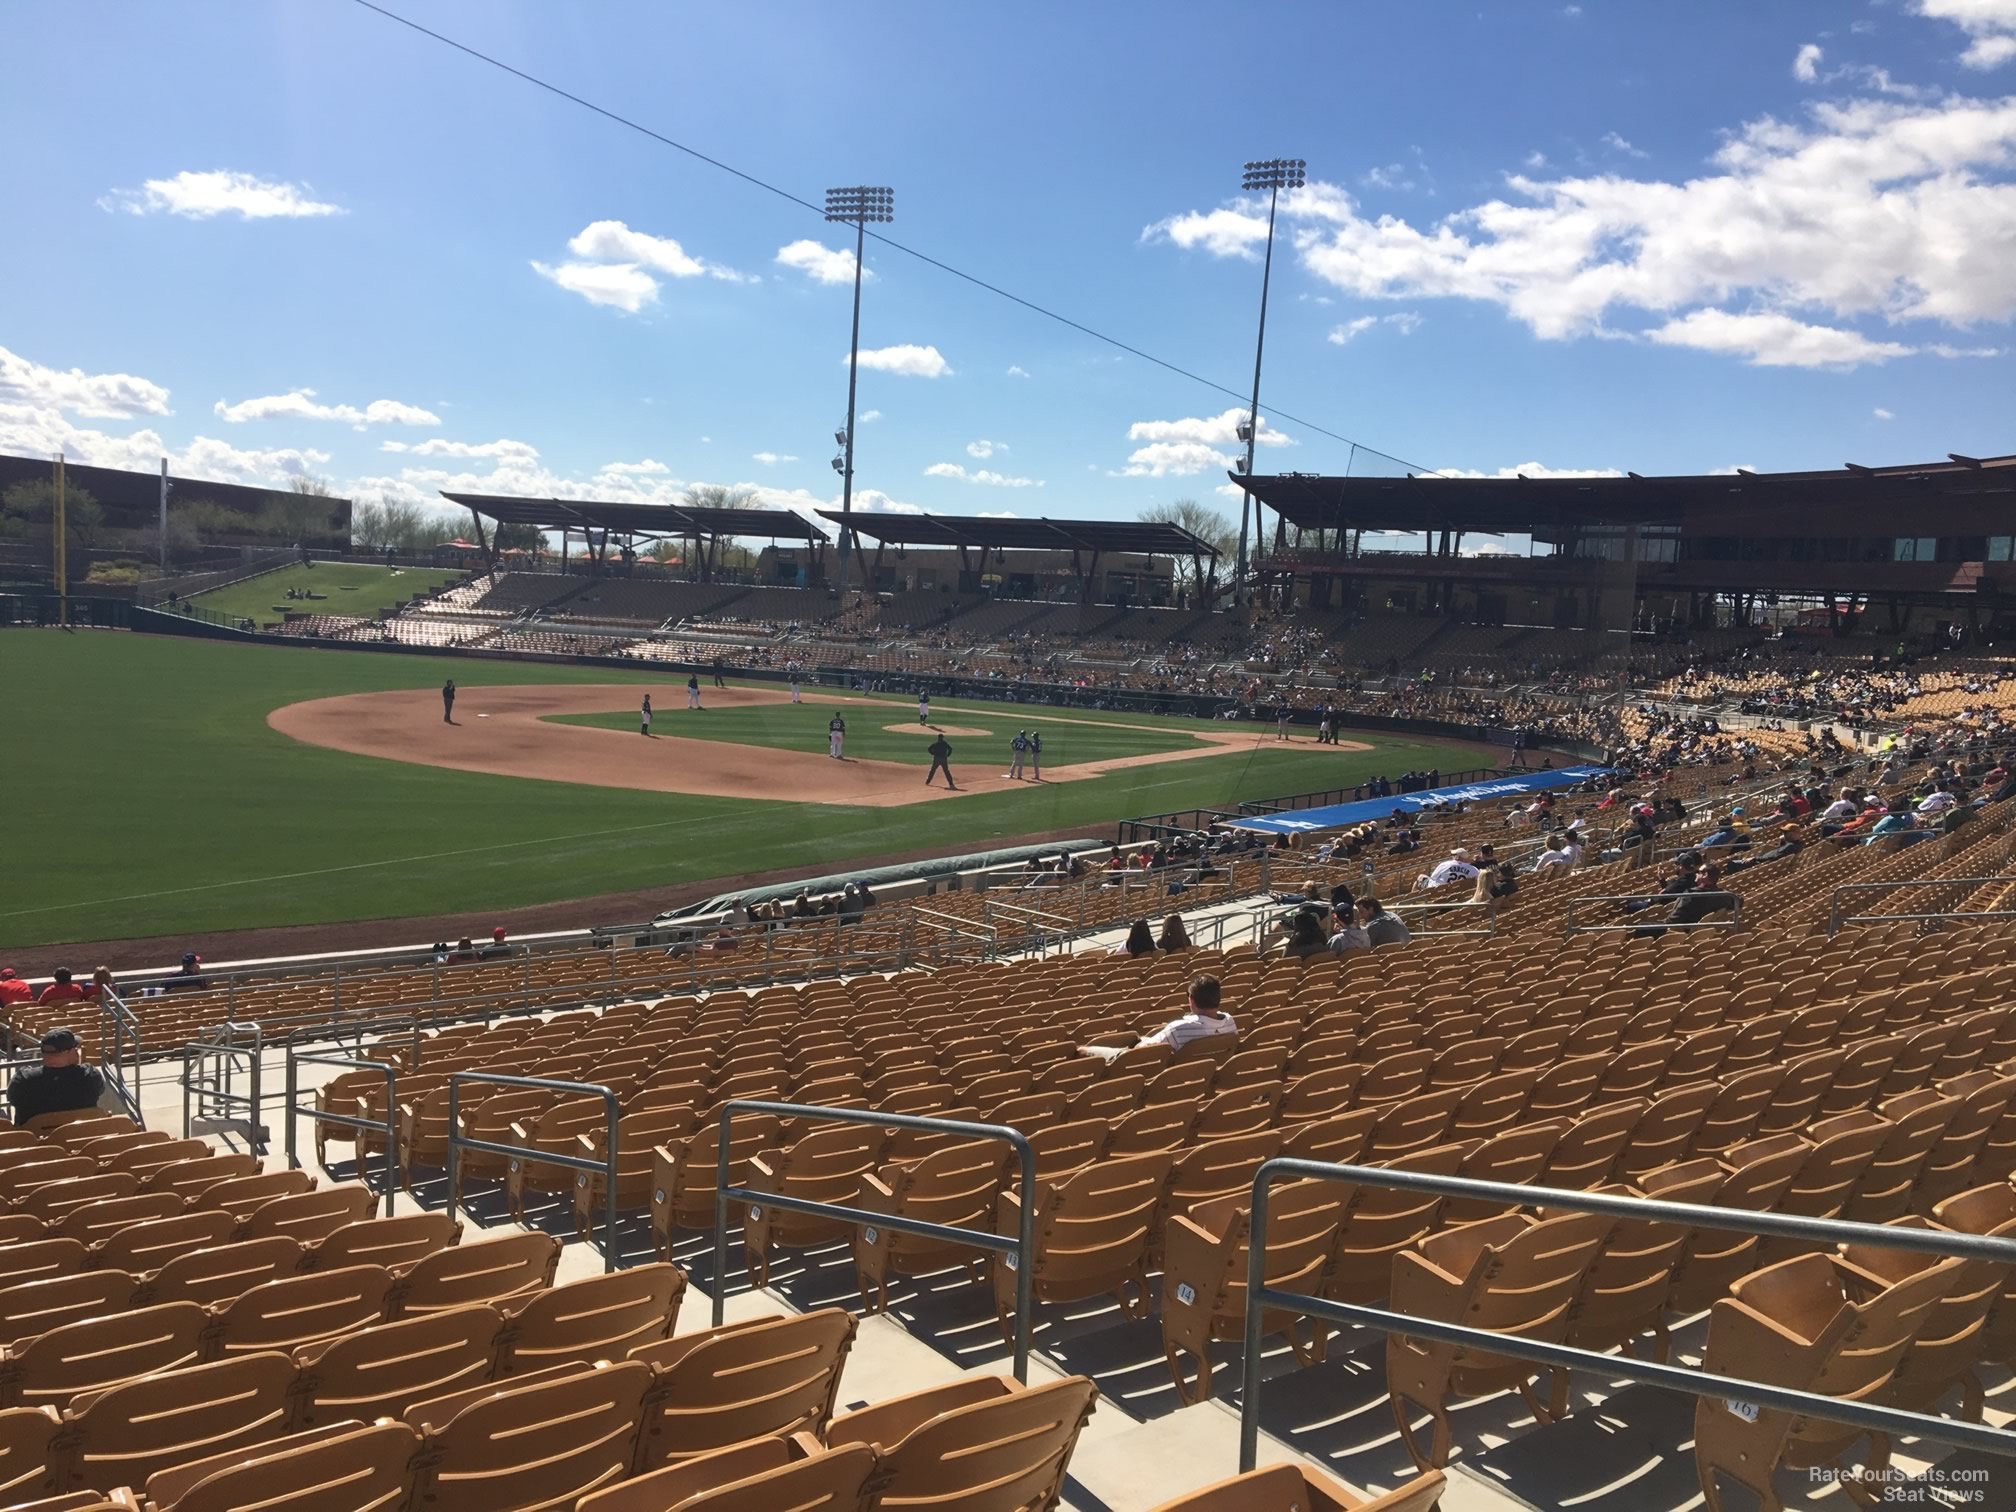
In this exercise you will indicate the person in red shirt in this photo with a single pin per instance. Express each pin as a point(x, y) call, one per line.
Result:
point(62, 989)
point(12, 988)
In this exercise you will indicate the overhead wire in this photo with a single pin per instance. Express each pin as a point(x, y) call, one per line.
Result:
point(888, 241)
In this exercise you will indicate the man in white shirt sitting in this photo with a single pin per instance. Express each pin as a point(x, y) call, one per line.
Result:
point(1204, 1020)
point(1456, 868)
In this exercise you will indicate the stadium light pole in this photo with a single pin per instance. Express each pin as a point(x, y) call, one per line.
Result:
point(854, 206)
point(1273, 175)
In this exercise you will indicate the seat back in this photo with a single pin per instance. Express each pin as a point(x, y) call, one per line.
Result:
point(151, 1244)
point(601, 1318)
point(98, 1220)
point(381, 1370)
point(26, 1468)
point(34, 1307)
point(224, 1272)
point(763, 1379)
point(394, 1243)
point(282, 1315)
point(1379, 1222)
point(1297, 1488)
point(127, 1433)
point(490, 1270)
point(93, 1353)
point(539, 1444)
point(39, 1260)
point(759, 1476)
point(344, 1468)
point(996, 1456)
point(310, 1217)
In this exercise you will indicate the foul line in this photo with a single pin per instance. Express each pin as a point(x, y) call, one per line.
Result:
point(326, 871)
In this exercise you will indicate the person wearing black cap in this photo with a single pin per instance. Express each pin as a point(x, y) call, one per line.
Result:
point(190, 978)
point(61, 1084)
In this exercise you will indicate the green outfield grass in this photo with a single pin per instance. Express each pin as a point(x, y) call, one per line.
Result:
point(802, 727)
point(348, 588)
point(147, 795)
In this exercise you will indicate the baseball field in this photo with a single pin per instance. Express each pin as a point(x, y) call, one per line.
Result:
point(161, 786)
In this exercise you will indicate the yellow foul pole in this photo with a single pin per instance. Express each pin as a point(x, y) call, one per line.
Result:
point(60, 545)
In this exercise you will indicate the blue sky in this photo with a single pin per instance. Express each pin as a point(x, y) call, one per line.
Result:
point(268, 239)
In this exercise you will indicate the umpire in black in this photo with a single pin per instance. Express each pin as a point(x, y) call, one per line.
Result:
point(941, 761)
point(61, 1084)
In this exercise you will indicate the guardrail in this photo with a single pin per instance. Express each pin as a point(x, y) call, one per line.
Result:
point(1021, 1249)
point(204, 1093)
point(1835, 918)
point(458, 1142)
point(390, 1123)
point(118, 1029)
point(1262, 1298)
point(1645, 919)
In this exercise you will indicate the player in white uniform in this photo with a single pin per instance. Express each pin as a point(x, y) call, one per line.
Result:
point(794, 682)
point(923, 708)
point(644, 726)
point(836, 734)
point(1020, 746)
point(693, 691)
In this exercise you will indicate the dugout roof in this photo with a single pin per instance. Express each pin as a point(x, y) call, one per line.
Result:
point(638, 519)
point(1149, 537)
point(1555, 508)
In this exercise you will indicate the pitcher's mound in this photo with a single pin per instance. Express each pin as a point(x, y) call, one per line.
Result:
point(935, 729)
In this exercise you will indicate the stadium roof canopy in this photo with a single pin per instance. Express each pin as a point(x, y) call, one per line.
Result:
point(1549, 508)
point(1150, 537)
point(637, 519)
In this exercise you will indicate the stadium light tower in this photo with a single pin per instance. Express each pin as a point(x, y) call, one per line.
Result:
point(854, 206)
point(1273, 175)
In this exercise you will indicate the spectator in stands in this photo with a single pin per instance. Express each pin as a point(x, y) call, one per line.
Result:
point(1898, 821)
point(101, 984)
point(1843, 808)
point(1789, 844)
point(1495, 883)
point(851, 905)
point(1937, 802)
point(498, 945)
point(62, 989)
point(1381, 927)
point(1174, 935)
point(1553, 855)
point(1306, 935)
point(12, 989)
point(189, 978)
point(1346, 934)
point(465, 950)
point(1455, 867)
point(61, 1084)
point(1727, 834)
point(1140, 941)
point(1204, 1020)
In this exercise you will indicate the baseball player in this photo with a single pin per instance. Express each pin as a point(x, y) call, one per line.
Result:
point(1036, 756)
point(836, 736)
point(794, 682)
point(644, 726)
point(448, 701)
point(693, 690)
point(924, 708)
point(941, 761)
point(1020, 746)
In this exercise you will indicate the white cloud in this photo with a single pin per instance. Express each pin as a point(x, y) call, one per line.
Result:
point(622, 286)
point(1731, 470)
point(648, 467)
point(435, 446)
point(1571, 11)
point(1392, 176)
point(1806, 66)
point(1173, 459)
point(910, 360)
point(1882, 413)
point(101, 396)
point(1406, 322)
point(1215, 430)
point(821, 263)
point(1990, 26)
point(42, 430)
point(1772, 340)
point(1947, 349)
point(983, 448)
point(870, 416)
point(771, 459)
point(981, 475)
point(612, 241)
point(1017, 372)
point(203, 195)
point(1617, 143)
point(300, 405)
point(1534, 470)
point(998, 514)
point(1535, 160)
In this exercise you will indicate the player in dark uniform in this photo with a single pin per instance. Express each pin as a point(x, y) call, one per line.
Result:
point(448, 701)
point(941, 761)
point(836, 736)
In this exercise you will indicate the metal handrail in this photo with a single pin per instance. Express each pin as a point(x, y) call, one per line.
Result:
point(121, 1026)
point(205, 1094)
point(1034, 913)
point(1022, 1247)
point(390, 1123)
point(1734, 921)
point(458, 1142)
point(1835, 919)
point(1262, 1298)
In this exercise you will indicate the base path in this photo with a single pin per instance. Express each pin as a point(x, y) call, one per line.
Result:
point(507, 732)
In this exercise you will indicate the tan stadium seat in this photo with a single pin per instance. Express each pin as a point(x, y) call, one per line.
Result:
point(1799, 1324)
point(826, 1164)
point(52, 1203)
point(683, 1174)
point(52, 1165)
point(954, 1186)
point(601, 1318)
point(1918, 1121)
point(309, 1217)
point(92, 1353)
point(1208, 1172)
point(1989, 1210)
point(119, 1499)
point(982, 1444)
point(500, 1270)
point(245, 1195)
point(1091, 1233)
point(381, 1370)
point(188, 1178)
point(121, 1436)
point(557, 1130)
point(768, 1378)
point(100, 1220)
point(1298, 1488)
point(304, 1309)
point(761, 1475)
point(26, 1467)
point(395, 1243)
point(149, 1245)
point(1984, 1098)
point(221, 1273)
point(1512, 1275)
point(537, 1444)
point(637, 1134)
point(1380, 1222)
point(1947, 1345)
point(40, 1260)
point(147, 1160)
point(1204, 1274)
point(345, 1467)
point(17, 1228)
point(1623, 1294)
point(35, 1307)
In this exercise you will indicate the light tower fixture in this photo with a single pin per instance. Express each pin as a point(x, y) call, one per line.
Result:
point(856, 205)
point(1273, 175)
